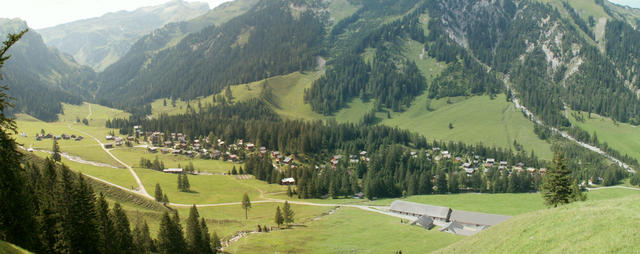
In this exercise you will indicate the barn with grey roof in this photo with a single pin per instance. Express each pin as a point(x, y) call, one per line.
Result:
point(452, 221)
point(437, 213)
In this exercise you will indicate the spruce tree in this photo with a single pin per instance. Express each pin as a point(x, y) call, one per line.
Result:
point(142, 239)
point(287, 213)
point(185, 183)
point(180, 183)
point(123, 241)
point(194, 233)
point(279, 219)
point(246, 205)
point(17, 214)
point(216, 244)
point(105, 226)
point(56, 151)
point(170, 238)
point(206, 239)
point(556, 188)
point(158, 193)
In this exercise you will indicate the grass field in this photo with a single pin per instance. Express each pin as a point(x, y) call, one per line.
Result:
point(507, 204)
point(620, 136)
point(609, 226)
point(289, 101)
point(348, 230)
point(475, 119)
point(132, 157)
point(119, 176)
point(206, 189)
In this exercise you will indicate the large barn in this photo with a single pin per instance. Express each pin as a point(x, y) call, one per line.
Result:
point(453, 221)
point(437, 213)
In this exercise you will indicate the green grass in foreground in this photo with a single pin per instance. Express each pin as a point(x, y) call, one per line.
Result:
point(348, 230)
point(609, 226)
point(476, 119)
point(8, 248)
point(620, 136)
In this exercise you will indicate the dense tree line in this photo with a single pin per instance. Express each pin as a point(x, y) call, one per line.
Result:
point(620, 38)
point(267, 40)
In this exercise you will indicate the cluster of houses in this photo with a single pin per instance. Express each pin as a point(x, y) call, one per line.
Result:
point(117, 141)
point(62, 136)
point(452, 221)
point(180, 144)
point(353, 159)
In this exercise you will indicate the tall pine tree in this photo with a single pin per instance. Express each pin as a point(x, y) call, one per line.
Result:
point(556, 188)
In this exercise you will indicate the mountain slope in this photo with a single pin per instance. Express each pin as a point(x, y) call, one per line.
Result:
point(98, 42)
point(39, 78)
point(273, 38)
point(608, 226)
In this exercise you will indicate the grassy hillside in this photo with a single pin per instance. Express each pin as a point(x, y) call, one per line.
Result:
point(7, 248)
point(348, 230)
point(585, 227)
point(494, 122)
point(621, 136)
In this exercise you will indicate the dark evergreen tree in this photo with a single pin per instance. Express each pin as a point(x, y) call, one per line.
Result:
point(194, 232)
point(158, 193)
point(122, 239)
point(287, 213)
point(17, 216)
point(105, 226)
point(556, 188)
point(279, 219)
point(216, 245)
point(56, 151)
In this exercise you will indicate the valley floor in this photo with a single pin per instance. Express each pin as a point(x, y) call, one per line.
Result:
point(340, 225)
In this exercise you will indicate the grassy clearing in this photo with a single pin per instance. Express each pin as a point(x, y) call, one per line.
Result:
point(132, 157)
point(477, 119)
point(508, 204)
point(429, 67)
point(289, 102)
point(341, 9)
point(584, 227)
point(348, 230)
point(206, 189)
point(621, 136)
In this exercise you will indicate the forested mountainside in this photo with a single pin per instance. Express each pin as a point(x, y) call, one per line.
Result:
point(40, 78)
point(99, 42)
point(554, 55)
point(273, 38)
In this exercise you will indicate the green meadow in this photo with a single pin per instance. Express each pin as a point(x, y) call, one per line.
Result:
point(620, 136)
point(609, 226)
point(478, 119)
point(347, 230)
